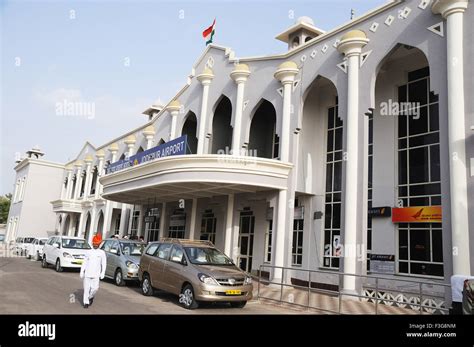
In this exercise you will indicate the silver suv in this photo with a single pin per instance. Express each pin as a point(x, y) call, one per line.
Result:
point(123, 259)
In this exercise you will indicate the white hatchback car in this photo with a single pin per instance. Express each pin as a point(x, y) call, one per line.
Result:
point(64, 252)
point(35, 249)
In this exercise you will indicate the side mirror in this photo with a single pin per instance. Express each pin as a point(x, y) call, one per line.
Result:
point(56, 245)
point(184, 262)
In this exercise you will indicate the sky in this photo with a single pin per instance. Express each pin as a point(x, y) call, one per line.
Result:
point(117, 58)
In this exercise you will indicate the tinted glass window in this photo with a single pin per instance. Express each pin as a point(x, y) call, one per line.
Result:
point(152, 248)
point(164, 251)
point(177, 254)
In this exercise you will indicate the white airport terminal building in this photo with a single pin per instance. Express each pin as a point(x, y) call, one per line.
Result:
point(351, 151)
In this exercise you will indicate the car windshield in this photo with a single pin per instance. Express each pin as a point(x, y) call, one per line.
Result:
point(207, 256)
point(132, 248)
point(28, 239)
point(42, 242)
point(75, 243)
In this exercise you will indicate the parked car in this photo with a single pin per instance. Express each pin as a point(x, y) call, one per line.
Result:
point(64, 252)
point(123, 258)
point(194, 270)
point(35, 249)
point(20, 245)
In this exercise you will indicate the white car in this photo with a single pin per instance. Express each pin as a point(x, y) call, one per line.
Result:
point(35, 249)
point(21, 243)
point(64, 252)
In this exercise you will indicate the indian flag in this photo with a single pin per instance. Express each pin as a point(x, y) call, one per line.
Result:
point(208, 34)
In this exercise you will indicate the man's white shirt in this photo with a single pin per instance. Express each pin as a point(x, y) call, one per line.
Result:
point(94, 264)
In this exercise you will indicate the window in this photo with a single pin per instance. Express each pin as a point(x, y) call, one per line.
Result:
point(114, 246)
point(208, 226)
point(268, 242)
point(276, 145)
point(177, 225)
point(164, 251)
point(332, 210)
point(106, 246)
point(177, 254)
point(297, 249)
point(135, 219)
point(152, 224)
point(83, 184)
point(152, 248)
point(420, 250)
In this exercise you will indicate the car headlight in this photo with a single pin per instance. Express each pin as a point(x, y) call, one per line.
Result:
point(207, 279)
point(67, 255)
point(131, 265)
point(248, 280)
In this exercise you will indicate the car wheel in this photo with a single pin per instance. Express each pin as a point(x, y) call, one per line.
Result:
point(147, 289)
point(28, 256)
point(187, 298)
point(44, 263)
point(58, 267)
point(238, 304)
point(37, 256)
point(118, 278)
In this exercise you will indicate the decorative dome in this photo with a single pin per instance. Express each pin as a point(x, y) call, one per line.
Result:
point(130, 139)
point(305, 19)
point(114, 147)
point(100, 153)
point(288, 65)
point(354, 34)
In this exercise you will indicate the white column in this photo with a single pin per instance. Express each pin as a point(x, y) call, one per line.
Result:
point(140, 221)
point(69, 169)
point(173, 108)
point(240, 74)
point(351, 45)
point(130, 142)
point(98, 187)
point(113, 149)
point(108, 219)
point(229, 225)
point(77, 190)
point(93, 228)
point(123, 221)
point(192, 228)
point(80, 231)
point(453, 11)
point(205, 78)
point(281, 232)
point(87, 187)
point(149, 134)
point(286, 75)
point(161, 232)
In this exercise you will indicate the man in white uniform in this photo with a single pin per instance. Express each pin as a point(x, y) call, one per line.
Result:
point(93, 270)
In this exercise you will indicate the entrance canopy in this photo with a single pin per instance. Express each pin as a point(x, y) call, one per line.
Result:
point(194, 176)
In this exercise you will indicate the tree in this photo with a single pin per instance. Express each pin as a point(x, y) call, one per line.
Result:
point(5, 207)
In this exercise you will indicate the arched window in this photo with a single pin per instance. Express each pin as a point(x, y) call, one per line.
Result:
point(221, 128)
point(263, 140)
point(189, 129)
